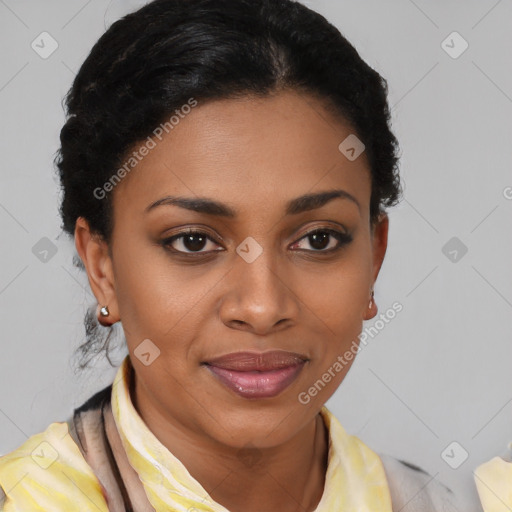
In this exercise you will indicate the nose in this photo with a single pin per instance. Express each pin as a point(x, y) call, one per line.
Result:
point(258, 296)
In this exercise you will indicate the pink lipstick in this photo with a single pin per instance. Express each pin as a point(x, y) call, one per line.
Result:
point(257, 375)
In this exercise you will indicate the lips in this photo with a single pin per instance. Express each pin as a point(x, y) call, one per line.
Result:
point(257, 375)
point(261, 362)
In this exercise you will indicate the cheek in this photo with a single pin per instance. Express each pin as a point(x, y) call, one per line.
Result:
point(160, 299)
point(150, 292)
point(338, 303)
point(339, 294)
point(338, 299)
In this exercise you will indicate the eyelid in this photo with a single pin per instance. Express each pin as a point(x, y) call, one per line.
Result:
point(319, 226)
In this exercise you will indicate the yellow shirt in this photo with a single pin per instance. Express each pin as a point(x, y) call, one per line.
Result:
point(494, 485)
point(49, 473)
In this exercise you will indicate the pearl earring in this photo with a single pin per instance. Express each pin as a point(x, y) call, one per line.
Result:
point(371, 300)
point(104, 311)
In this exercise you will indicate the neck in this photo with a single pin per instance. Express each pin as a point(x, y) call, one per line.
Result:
point(285, 478)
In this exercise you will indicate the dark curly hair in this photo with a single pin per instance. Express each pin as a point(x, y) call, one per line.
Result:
point(152, 61)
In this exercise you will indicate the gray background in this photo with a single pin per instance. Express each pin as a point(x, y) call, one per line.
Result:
point(440, 371)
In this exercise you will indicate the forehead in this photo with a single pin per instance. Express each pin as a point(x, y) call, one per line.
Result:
point(247, 152)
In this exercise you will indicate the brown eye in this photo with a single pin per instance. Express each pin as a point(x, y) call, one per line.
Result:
point(320, 239)
point(188, 242)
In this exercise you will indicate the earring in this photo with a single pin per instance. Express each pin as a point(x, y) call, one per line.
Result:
point(104, 311)
point(371, 300)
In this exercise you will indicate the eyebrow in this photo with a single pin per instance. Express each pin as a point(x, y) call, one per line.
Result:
point(295, 206)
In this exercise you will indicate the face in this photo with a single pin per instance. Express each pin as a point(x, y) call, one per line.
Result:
point(263, 271)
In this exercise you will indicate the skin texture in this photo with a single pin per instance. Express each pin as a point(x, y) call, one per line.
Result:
point(253, 154)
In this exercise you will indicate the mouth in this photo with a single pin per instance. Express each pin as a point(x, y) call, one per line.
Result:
point(257, 375)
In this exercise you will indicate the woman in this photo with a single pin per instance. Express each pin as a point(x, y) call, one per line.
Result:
point(225, 166)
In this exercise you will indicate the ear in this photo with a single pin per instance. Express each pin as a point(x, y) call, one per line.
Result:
point(379, 247)
point(95, 255)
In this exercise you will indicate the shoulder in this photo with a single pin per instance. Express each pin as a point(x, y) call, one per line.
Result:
point(414, 488)
point(49, 472)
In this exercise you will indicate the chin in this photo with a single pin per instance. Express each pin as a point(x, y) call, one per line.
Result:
point(260, 425)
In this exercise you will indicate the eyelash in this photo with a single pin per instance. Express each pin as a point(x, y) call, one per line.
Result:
point(342, 238)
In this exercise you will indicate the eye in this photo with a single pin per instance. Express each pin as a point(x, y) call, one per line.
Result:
point(319, 240)
point(192, 240)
